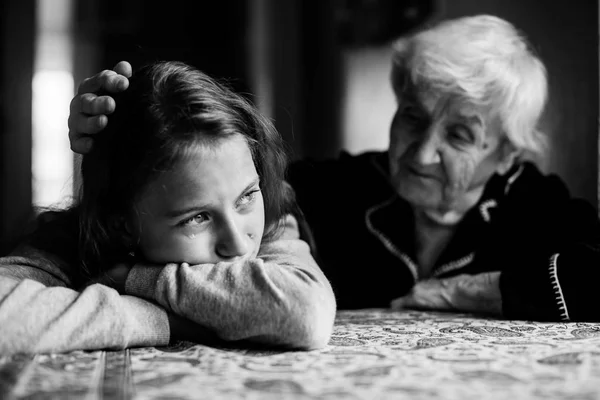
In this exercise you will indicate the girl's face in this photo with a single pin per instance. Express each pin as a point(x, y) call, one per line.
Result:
point(208, 208)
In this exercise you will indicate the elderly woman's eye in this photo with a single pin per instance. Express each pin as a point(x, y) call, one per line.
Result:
point(411, 114)
point(460, 133)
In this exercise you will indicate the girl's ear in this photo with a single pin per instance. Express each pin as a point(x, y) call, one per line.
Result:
point(120, 228)
point(509, 154)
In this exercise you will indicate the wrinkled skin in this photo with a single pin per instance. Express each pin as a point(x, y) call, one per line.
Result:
point(443, 150)
point(442, 153)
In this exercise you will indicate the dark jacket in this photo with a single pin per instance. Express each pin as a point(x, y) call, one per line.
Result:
point(526, 225)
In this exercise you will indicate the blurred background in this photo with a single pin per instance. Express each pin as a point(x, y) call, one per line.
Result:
point(318, 68)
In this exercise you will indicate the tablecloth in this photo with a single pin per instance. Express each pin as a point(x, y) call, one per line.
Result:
point(373, 354)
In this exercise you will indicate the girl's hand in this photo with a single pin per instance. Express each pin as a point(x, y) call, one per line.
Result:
point(116, 277)
point(465, 293)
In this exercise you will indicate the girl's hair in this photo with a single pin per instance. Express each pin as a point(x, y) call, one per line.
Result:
point(484, 60)
point(167, 111)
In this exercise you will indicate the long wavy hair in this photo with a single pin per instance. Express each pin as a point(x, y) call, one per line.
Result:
point(167, 110)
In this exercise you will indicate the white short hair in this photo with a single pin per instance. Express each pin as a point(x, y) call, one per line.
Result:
point(485, 60)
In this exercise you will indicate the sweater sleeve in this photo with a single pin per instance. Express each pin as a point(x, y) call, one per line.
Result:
point(555, 262)
point(40, 313)
point(279, 298)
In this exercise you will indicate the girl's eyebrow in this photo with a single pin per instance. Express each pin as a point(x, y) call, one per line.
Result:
point(254, 182)
point(196, 208)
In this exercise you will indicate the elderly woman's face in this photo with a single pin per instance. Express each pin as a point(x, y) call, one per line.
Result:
point(442, 152)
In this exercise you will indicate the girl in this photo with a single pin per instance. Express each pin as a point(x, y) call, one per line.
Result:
point(189, 175)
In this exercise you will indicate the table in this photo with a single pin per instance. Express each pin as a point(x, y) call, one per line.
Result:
point(373, 354)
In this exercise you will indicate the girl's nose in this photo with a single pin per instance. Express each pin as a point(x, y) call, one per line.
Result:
point(232, 241)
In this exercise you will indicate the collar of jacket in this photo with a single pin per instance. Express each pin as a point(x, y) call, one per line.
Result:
point(391, 221)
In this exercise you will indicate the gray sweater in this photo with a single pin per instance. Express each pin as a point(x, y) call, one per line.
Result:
point(279, 298)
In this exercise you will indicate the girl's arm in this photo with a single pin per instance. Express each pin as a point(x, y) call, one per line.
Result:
point(279, 298)
point(39, 313)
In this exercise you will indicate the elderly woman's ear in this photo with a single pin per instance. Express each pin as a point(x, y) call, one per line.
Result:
point(509, 155)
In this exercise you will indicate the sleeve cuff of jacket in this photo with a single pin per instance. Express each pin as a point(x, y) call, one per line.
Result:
point(561, 289)
point(576, 273)
point(148, 323)
point(528, 291)
point(142, 281)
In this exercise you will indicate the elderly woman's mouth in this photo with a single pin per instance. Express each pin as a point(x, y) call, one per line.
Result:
point(421, 173)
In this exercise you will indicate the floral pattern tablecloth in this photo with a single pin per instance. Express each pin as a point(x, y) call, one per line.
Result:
point(373, 354)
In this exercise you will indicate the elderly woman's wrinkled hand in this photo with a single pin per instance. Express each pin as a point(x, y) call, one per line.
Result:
point(465, 293)
point(92, 104)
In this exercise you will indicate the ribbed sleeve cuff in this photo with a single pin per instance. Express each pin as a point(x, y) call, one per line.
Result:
point(575, 277)
point(528, 293)
point(142, 280)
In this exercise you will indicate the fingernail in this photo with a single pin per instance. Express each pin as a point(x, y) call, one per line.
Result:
point(101, 121)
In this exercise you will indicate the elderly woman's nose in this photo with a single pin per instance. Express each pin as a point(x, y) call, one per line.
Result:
point(428, 148)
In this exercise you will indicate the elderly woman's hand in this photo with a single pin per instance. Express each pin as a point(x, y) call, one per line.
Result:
point(89, 108)
point(465, 293)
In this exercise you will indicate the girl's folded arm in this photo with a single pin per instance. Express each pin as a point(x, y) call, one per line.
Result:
point(40, 313)
point(279, 298)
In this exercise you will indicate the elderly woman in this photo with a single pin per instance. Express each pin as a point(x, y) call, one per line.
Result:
point(455, 215)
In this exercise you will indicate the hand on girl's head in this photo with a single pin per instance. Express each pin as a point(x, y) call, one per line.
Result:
point(89, 110)
point(111, 81)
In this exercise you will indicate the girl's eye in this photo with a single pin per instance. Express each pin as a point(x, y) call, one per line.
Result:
point(195, 220)
point(248, 198)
